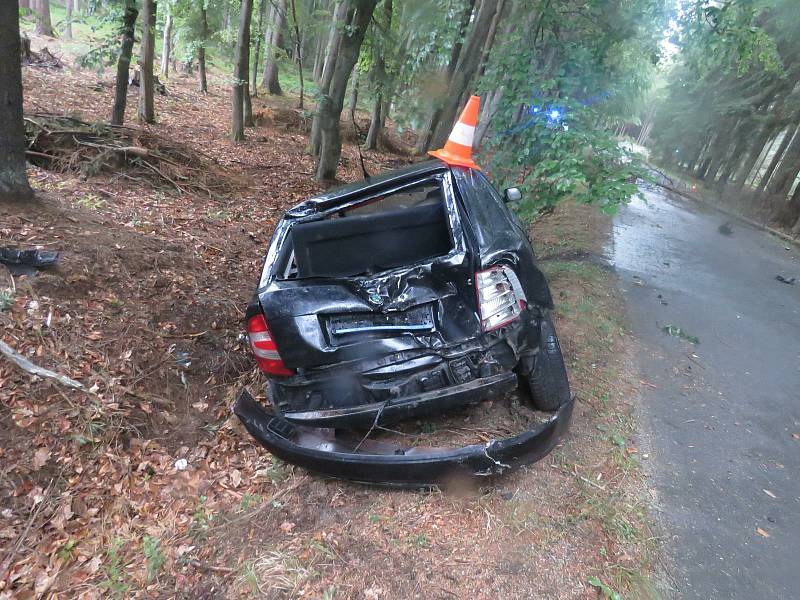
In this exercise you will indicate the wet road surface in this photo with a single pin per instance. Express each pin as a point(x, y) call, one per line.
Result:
point(718, 417)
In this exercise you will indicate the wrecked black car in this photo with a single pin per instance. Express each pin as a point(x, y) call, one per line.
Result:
point(401, 296)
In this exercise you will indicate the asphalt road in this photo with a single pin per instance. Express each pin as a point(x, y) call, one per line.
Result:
point(719, 416)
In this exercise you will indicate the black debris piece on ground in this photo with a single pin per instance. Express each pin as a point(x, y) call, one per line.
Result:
point(725, 229)
point(25, 262)
point(782, 279)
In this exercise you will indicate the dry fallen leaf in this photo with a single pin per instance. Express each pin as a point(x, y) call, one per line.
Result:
point(287, 527)
point(40, 458)
point(761, 532)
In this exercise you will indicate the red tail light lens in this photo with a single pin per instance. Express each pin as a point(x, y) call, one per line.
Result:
point(264, 348)
point(500, 296)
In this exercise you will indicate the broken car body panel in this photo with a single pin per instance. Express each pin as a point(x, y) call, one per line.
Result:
point(319, 450)
point(375, 312)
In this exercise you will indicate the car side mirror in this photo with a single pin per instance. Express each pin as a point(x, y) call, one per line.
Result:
point(512, 195)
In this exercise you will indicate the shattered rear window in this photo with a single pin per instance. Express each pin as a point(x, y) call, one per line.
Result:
point(397, 228)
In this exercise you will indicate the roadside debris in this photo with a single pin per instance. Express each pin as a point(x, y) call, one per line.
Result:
point(25, 262)
point(725, 229)
point(783, 279)
point(676, 331)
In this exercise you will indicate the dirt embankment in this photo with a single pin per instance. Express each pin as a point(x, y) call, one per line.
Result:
point(144, 486)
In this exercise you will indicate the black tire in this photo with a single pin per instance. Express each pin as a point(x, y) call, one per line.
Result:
point(547, 381)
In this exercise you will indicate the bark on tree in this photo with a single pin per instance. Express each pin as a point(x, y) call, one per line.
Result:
point(424, 137)
point(331, 108)
point(376, 116)
point(262, 8)
point(201, 51)
point(341, 16)
point(741, 137)
point(786, 172)
point(756, 150)
point(68, 20)
point(13, 176)
point(270, 79)
point(124, 63)
point(248, 107)
point(147, 113)
point(353, 102)
point(166, 45)
point(298, 48)
point(791, 133)
point(240, 71)
point(462, 76)
point(489, 108)
point(487, 46)
point(44, 25)
point(379, 80)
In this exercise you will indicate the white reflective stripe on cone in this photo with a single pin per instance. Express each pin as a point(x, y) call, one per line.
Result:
point(463, 134)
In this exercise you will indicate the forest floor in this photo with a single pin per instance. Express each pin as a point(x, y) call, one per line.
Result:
point(145, 485)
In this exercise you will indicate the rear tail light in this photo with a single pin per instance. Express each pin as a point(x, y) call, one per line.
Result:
point(264, 348)
point(500, 296)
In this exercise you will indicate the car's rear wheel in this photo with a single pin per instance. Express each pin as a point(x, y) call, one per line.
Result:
point(545, 379)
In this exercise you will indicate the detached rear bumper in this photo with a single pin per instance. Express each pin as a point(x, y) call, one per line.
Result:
point(388, 464)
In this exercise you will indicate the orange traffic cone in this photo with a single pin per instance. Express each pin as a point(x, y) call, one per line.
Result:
point(458, 149)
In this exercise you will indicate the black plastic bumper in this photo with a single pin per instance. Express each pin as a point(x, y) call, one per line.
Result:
point(387, 464)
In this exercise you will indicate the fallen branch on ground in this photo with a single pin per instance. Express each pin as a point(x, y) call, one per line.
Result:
point(26, 365)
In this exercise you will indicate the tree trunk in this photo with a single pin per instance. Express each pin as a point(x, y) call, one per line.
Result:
point(124, 63)
point(487, 46)
point(201, 51)
point(68, 20)
point(262, 8)
point(351, 104)
point(787, 170)
point(44, 25)
point(331, 111)
point(341, 18)
point(298, 44)
point(756, 150)
point(270, 79)
point(240, 71)
point(166, 45)
point(776, 159)
point(13, 176)
point(490, 106)
point(424, 137)
point(371, 143)
point(147, 113)
point(741, 136)
point(248, 106)
point(462, 76)
point(379, 77)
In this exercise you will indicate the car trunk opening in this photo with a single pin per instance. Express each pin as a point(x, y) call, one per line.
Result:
point(384, 232)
